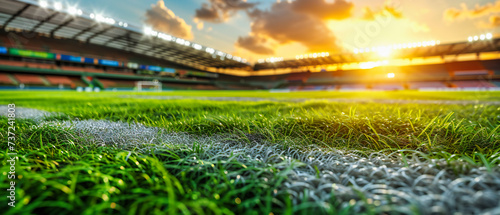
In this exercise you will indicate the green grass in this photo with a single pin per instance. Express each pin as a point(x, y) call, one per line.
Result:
point(61, 174)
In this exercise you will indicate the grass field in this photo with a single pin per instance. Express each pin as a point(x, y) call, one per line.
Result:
point(128, 153)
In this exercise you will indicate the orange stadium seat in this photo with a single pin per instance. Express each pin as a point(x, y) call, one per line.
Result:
point(4, 79)
point(29, 79)
point(93, 70)
point(13, 63)
point(73, 68)
point(41, 65)
point(56, 80)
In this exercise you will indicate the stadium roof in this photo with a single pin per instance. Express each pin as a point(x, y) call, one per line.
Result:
point(58, 20)
point(418, 51)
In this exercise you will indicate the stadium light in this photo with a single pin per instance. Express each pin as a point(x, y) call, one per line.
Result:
point(74, 11)
point(228, 56)
point(180, 41)
point(482, 37)
point(391, 75)
point(476, 38)
point(58, 6)
point(210, 50)
point(489, 36)
point(384, 52)
point(43, 4)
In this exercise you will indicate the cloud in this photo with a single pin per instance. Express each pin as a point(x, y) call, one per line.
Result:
point(387, 10)
point(256, 44)
point(338, 10)
point(160, 18)
point(295, 22)
point(218, 11)
point(493, 22)
point(419, 27)
point(464, 12)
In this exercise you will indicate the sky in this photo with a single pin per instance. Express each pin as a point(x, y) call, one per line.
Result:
point(258, 29)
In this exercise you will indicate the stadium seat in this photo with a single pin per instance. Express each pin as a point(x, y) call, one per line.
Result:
point(299, 77)
point(29, 79)
point(427, 85)
point(464, 66)
point(473, 84)
point(321, 77)
point(491, 65)
point(73, 68)
point(13, 63)
point(387, 87)
point(4, 79)
point(57, 80)
point(353, 87)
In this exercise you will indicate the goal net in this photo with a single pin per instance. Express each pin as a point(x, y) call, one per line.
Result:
point(149, 86)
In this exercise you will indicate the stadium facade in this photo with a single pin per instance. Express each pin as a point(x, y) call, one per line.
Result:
point(52, 46)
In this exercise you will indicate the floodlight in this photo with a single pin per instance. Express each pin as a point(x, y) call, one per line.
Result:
point(471, 39)
point(43, 4)
point(73, 11)
point(58, 6)
point(384, 52)
point(476, 38)
point(482, 37)
point(356, 51)
point(391, 75)
point(489, 36)
point(147, 30)
point(210, 50)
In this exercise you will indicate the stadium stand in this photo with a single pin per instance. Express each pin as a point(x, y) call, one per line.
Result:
point(5, 79)
point(73, 68)
point(29, 79)
point(353, 87)
point(427, 85)
point(13, 63)
point(426, 72)
point(60, 80)
point(321, 77)
point(85, 48)
point(473, 84)
point(491, 65)
point(387, 87)
point(464, 66)
point(77, 81)
point(298, 77)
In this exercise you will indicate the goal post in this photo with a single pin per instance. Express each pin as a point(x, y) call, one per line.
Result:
point(147, 85)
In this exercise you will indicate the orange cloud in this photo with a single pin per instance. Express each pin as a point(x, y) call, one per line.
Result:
point(295, 22)
point(464, 12)
point(338, 10)
point(163, 19)
point(387, 10)
point(493, 22)
point(218, 11)
point(257, 45)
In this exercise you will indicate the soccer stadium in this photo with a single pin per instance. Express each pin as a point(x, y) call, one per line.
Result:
point(175, 113)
